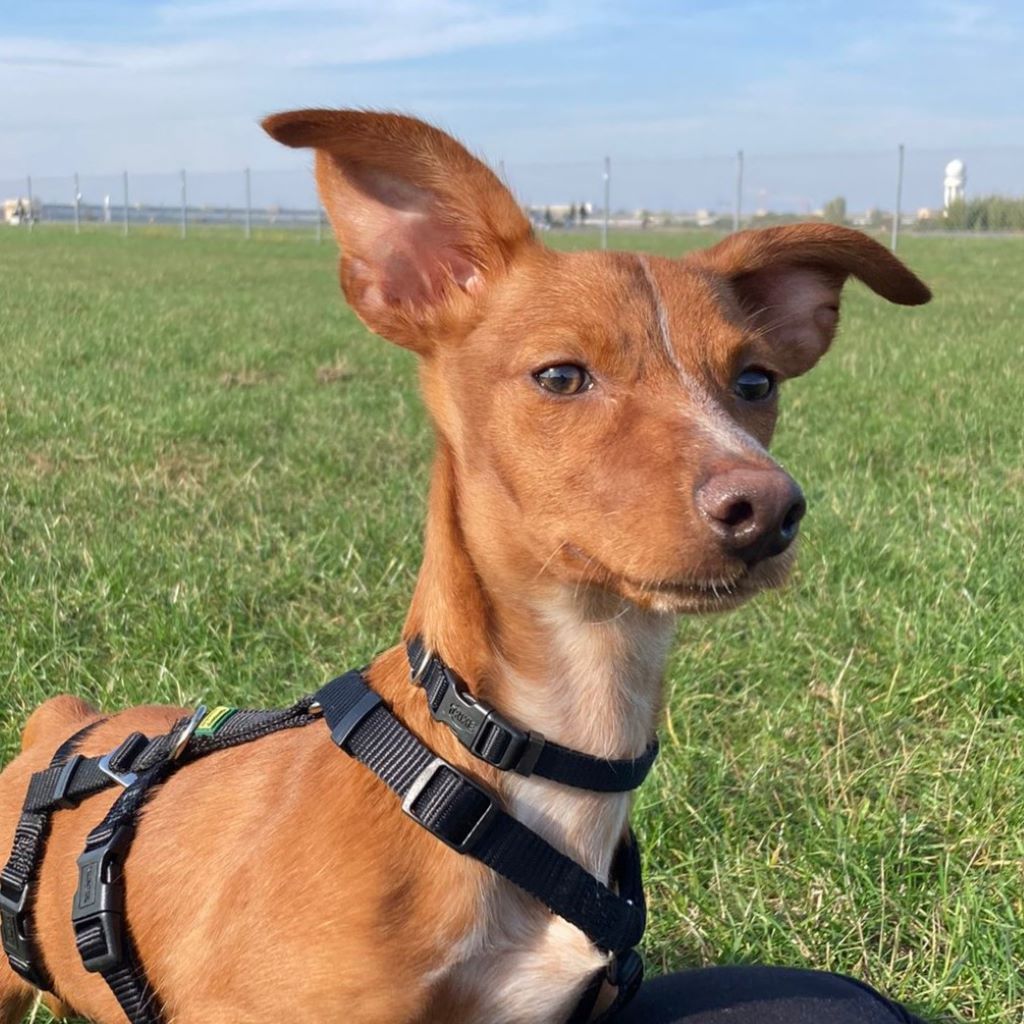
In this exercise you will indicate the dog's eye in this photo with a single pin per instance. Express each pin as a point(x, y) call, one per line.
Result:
point(564, 379)
point(754, 385)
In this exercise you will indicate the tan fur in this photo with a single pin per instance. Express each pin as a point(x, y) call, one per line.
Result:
point(279, 880)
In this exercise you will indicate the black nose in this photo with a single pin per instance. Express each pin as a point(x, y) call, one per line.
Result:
point(755, 512)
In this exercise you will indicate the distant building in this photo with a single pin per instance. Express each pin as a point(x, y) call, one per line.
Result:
point(21, 210)
point(953, 187)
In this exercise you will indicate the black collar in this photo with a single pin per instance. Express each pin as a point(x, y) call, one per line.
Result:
point(493, 739)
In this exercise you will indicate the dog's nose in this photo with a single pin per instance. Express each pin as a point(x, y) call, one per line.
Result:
point(755, 512)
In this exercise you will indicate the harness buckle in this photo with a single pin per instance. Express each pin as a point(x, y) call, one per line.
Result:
point(125, 779)
point(436, 815)
point(625, 972)
point(484, 732)
point(63, 783)
point(97, 912)
point(186, 732)
point(14, 933)
point(124, 754)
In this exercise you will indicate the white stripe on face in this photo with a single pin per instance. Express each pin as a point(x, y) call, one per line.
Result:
point(659, 308)
point(712, 416)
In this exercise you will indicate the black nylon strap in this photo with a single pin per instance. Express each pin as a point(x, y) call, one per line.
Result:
point(71, 778)
point(625, 974)
point(133, 757)
point(102, 934)
point(20, 874)
point(626, 971)
point(17, 900)
point(99, 916)
point(464, 816)
point(493, 739)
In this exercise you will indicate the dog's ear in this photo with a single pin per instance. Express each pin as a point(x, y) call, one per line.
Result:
point(788, 281)
point(424, 227)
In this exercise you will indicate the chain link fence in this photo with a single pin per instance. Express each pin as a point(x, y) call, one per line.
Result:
point(884, 189)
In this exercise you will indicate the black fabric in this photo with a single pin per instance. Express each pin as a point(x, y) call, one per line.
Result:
point(102, 929)
point(454, 808)
point(19, 876)
point(71, 778)
point(17, 900)
point(493, 739)
point(582, 771)
point(759, 995)
point(105, 933)
point(132, 755)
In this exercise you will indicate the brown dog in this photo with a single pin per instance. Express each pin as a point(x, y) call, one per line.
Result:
point(602, 422)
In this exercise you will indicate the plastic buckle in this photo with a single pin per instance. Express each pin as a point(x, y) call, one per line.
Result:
point(475, 724)
point(521, 752)
point(63, 784)
point(475, 832)
point(626, 972)
point(14, 934)
point(367, 703)
point(99, 902)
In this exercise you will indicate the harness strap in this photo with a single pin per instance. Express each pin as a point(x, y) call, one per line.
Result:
point(625, 974)
point(18, 878)
point(137, 763)
point(73, 783)
point(464, 816)
point(440, 798)
point(102, 934)
point(489, 736)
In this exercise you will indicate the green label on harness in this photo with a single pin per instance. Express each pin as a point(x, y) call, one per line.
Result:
point(214, 719)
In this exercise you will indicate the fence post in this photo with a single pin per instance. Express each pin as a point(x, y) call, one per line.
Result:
point(737, 210)
point(31, 210)
point(899, 200)
point(184, 204)
point(78, 199)
point(248, 204)
point(607, 201)
point(124, 204)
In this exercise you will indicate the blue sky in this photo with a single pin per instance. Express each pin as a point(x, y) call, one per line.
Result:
point(106, 84)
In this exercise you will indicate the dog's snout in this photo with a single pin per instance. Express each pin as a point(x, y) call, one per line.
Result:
point(755, 512)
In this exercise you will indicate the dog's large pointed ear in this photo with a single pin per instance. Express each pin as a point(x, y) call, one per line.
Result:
point(788, 281)
point(424, 227)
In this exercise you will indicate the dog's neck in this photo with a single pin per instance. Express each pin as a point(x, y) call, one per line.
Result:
point(582, 668)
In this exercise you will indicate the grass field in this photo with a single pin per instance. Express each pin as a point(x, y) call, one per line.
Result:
point(211, 486)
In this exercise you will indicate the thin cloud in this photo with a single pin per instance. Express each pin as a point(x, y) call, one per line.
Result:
point(228, 10)
point(374, 33)
point(40, 61)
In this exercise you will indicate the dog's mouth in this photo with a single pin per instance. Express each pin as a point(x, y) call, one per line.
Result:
point(687, 595)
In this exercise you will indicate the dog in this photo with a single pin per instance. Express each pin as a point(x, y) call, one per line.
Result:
point(602, 425)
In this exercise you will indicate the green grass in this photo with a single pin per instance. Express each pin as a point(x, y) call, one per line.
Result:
point(188, 509)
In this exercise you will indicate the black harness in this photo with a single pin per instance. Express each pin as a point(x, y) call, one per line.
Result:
point(436, 795)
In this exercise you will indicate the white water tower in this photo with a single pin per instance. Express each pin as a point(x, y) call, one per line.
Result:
point(956, 178)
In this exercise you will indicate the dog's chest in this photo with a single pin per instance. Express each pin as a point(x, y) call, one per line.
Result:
point(519, 965)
